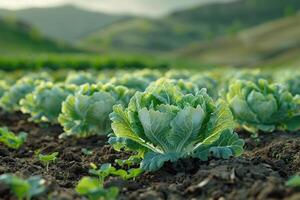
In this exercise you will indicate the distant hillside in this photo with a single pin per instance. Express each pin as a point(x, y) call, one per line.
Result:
point(66, 23)
point(188, 26)
point(19, 37)
point(273, 43)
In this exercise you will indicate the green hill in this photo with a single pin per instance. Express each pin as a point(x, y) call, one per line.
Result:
point(273, 43)
point(188, 26)
point(19, 37)
point(66, 23)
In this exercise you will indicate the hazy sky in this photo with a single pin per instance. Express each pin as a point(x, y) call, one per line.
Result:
point(140, 7)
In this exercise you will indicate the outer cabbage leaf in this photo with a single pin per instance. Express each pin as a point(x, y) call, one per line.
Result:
point(154, 161)
point(228, 145)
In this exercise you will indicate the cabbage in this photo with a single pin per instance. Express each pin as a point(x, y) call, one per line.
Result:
point(263, 106)
point(86, 113)
point(44, 104)
point(165, 124)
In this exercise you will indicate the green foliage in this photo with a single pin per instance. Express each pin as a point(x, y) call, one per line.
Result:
point(150, 74)
point(11, 140)
point(108, 170)
point(44, 104)
point(293, 84)
point(131, 81)
point(93, 189)
point(187, 27)
point(178, 74)
point(19, 37)
point(132, 160)
point(80, 78)
point(10, 101)
point(47, 159)
point(3, 87)
point(262, 106)
point(24, 189)
point(87, 152)
point(206, 81)
point(294, 181)
point(87, 112)
point(76, 61)
point(164, 124)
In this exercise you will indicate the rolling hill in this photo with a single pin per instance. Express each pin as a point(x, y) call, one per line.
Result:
point(273, 43)
point(67, 23)
point(17, 37)
point(187, 26)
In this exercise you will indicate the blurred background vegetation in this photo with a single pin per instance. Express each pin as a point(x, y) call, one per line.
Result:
point(240, 33)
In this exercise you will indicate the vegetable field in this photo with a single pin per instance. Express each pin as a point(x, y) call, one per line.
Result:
point(150, 134)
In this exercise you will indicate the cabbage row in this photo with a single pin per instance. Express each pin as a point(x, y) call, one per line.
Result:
point(161, 116)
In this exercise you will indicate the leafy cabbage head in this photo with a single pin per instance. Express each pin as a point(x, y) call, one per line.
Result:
point(150, 74)
point(3, 87)
point(80, 78)
point(178, 74)
point(86, 113)
point(293, 84)
point(44, 103)
point(208, 82)
point(263, 106)
point(10, 101)
point(165, 124)
point(131, 81)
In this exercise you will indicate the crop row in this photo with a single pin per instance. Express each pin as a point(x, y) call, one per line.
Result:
point(159, 116)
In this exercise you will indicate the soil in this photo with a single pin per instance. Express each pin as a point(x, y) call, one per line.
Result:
point(260, 173)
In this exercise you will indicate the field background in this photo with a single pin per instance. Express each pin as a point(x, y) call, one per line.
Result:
point(241, 33)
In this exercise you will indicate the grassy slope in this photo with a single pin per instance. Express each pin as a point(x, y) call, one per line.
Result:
point(273, 43)
point(17, 37)
point(185, 27)
point(66, 23)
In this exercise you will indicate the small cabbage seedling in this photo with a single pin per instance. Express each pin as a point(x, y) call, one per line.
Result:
point(11, 140)
point(24, 189)
point(108, 170)
point(132, 160)
point(87, 152)
point(93, 189)
point(294, 181)
point(47, 159)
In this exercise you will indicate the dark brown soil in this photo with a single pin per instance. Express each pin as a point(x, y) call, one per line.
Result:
point(259, 174)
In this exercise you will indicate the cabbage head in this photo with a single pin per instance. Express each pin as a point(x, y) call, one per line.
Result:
point(86, 113)
point(44, 103)
point(165, 124)
point(263, 106)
